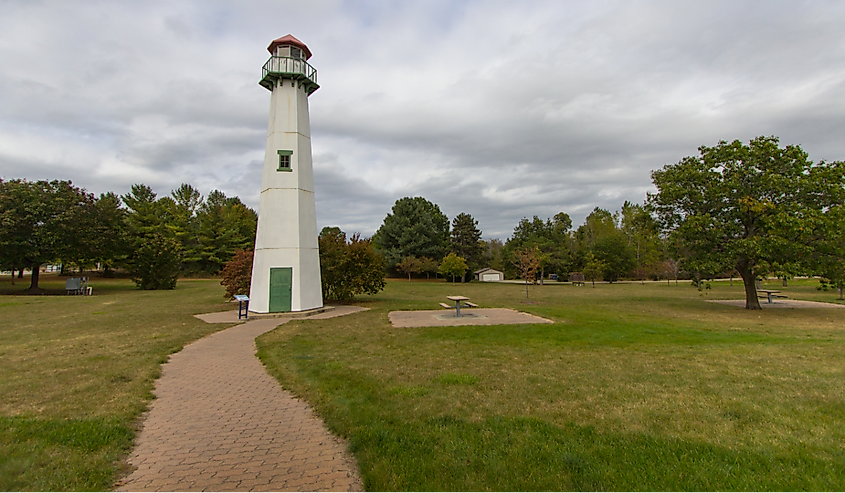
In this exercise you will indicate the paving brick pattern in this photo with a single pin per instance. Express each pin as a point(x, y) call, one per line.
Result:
point(221, 423)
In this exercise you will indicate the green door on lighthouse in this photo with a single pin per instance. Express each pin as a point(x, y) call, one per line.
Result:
point(280, 289)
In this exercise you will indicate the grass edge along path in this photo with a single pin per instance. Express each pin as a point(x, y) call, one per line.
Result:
point(79, 372)
point(479, 408)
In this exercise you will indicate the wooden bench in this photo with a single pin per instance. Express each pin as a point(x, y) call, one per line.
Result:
point(471, 305)
point(444, 305)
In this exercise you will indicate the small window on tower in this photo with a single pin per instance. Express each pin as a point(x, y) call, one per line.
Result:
point(295, 52)
point(284, 160)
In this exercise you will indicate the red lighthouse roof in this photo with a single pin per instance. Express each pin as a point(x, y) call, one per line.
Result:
point(289, 40)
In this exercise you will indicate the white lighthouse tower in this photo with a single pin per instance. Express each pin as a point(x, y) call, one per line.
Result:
point(286, 267)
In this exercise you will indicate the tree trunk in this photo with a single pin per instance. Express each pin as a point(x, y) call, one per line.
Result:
point(36, 269)
point(542, 275)
point(784, 282)
point(409, 277)
point(20, 273)
point(751, 300)
point(13, 276)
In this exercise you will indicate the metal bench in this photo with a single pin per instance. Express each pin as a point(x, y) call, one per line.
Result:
point(78, 285)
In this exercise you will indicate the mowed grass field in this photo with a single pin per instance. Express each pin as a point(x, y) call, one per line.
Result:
point(76, 372)
point(634, 387)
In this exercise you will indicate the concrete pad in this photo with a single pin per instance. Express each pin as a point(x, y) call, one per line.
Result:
point(471, 316)
point(781, 303)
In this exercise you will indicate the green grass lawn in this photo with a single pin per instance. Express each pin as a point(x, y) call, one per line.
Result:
point(634, 387)
point(78, 371)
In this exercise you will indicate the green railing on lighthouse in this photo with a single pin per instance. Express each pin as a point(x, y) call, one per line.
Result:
point(297, 70)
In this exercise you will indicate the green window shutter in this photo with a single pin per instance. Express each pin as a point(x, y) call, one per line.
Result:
point(284, 160)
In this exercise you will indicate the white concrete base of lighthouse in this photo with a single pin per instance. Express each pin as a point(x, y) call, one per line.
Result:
point(285, 275)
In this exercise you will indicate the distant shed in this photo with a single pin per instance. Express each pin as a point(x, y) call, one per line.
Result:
point(489, 274)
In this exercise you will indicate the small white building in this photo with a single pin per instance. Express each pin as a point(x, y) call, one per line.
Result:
point(488, 274)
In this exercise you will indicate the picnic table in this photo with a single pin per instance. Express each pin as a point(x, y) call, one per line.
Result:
point(457, 306)
point(770, 293)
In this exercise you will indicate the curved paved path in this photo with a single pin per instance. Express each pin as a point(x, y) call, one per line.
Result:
point(221, 423)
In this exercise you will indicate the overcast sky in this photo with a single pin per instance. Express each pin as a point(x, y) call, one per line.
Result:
point(502, 110)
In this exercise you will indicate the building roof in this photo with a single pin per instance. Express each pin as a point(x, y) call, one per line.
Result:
point(487, 269)
point(289, 40)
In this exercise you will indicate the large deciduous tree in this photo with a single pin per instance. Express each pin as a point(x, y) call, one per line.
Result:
point(748, 207)
point(415, 227)
point(112, 241)
point(830, 259)
point(601, 236)
point(551, 238)
point(43, 222)
point(642, 232)
point(348, 267)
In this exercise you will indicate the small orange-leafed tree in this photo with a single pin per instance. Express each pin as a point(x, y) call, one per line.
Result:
point(409, 265)
point(237, 274)
point(528, 263)
point(428, 265)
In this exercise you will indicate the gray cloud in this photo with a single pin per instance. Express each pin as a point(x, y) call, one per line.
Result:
point(501, 109)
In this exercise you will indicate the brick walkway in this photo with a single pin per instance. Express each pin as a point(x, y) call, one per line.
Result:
point(221, 423)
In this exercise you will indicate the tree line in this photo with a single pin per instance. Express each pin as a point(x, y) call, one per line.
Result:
point(416, 238)
point(155, 239)
point(752, 210)
point(746, 210)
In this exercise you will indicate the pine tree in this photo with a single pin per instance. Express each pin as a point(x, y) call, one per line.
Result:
point(466, 241)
